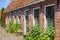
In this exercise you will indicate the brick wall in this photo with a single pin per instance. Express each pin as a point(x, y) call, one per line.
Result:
point(57, 21)
point(57, 25)
point(57, 16)
point(41, 19)
point(30, 8)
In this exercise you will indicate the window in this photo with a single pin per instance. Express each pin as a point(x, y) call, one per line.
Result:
point(49, 15)
point(19, 17)
point(36, 16)
point(36, 12)
point(26, 13)
point(38, 0)
point(15, 19)
point(27, 17)
point(10, 16)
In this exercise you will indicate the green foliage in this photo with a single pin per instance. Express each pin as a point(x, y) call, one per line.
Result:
point(1, 11)
point(50, 31)
point(49, 34)
point(36, 33)
point(14, 27)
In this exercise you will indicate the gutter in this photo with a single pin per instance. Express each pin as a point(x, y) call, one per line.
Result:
point(27, 5)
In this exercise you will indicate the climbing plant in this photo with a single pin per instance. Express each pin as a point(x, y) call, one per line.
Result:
point(13, 27)
point(36, 33)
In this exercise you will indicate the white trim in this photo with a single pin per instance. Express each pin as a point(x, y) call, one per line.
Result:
point(33, 14)
point(45, 21)
point(49, 5)
point(25, 21)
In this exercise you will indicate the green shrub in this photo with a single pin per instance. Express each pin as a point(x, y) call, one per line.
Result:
point(36, 33)
point(14, 27)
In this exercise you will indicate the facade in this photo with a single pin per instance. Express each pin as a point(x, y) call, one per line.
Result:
point(29, 12)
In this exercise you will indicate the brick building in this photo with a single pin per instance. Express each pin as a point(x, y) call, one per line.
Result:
point(29, 12)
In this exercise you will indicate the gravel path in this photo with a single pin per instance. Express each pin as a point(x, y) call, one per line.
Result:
point(7, 36)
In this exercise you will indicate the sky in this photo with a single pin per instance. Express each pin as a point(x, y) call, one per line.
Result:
point(4, 3)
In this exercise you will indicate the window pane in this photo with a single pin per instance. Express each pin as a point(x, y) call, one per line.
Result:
point(26, 16)
point(50, 15)
point(36, 16)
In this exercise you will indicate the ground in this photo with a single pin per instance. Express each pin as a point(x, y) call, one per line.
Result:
point(7, 36)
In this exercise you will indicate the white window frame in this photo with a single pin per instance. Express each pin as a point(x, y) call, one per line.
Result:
point(33, 14)
point(45, 20)
point(25, 21)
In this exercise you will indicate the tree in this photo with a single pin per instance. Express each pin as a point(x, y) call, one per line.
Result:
point(1, 11)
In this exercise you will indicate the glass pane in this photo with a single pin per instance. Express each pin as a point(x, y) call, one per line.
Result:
point(27, 13)
point(50, 15)
point(27, 29)
point(36, 16)
point(26, 16)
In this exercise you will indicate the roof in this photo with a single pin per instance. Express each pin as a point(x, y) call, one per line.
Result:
point(11, 6)
point(20, 4)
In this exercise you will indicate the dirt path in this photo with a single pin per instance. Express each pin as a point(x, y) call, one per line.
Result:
point(6, 36)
